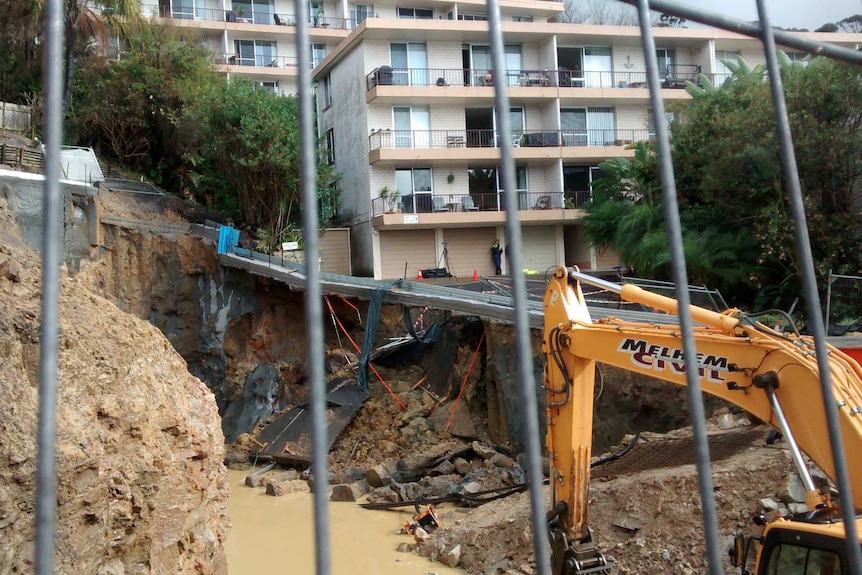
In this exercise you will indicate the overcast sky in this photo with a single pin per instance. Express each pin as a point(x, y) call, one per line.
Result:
point(810, 14)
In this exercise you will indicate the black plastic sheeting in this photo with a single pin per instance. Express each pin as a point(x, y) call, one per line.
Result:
point(398, 355)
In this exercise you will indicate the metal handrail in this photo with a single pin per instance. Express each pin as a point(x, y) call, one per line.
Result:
point(264, 17)
point(256, 61)
point(675, 77)
point(493, 138)
point(430, 203)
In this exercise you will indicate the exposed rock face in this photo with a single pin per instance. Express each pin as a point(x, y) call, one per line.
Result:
point(141, 483)
point(258, 400)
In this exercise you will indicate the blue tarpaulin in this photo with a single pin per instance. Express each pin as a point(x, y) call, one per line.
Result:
point(228, 238)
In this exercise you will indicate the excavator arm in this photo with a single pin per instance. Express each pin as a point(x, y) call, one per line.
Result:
point(771, 375)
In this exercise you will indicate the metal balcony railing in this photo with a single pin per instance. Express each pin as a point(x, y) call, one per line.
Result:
point(492, 138)
point(675, 77)
point(242, 17)
point(426, 203)
point(259, 61)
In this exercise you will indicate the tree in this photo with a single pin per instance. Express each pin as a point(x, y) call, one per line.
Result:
point(737, 231)
point(851, 24)
point(610, 13)
point(668, 21)
point(20, 53)
point(598, 12)
point(162, 110)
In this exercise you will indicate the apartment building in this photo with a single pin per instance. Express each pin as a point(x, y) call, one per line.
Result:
point(405, 102)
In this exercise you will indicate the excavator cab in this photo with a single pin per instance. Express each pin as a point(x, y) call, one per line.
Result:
point(811, 543)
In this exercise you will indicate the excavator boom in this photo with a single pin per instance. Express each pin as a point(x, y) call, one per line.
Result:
point(771, 375)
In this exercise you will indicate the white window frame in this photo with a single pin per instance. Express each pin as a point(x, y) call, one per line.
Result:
point(359, 13)
point(411, 13)
point(260, 59)
point(329, 146)
point(410, 195)
point(318, 54)
point(327, 92)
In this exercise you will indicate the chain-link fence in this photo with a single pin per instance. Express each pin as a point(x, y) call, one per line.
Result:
point(843, 303)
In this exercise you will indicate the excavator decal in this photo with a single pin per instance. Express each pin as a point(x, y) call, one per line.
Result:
point(661, 358)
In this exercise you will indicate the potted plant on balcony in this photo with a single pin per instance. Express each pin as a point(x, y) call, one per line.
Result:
point(390, 199)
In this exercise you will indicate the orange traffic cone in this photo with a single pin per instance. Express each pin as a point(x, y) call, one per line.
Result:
point(419, 275)
point(475, 275)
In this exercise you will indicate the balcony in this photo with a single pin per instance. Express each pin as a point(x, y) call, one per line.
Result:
point(413, 139)
point(257, 17)
point(676, 77)
point(475, 207)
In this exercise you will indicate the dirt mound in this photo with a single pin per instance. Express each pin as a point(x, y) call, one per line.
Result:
point(141, 482)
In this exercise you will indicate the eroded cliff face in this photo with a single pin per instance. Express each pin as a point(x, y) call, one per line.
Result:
point(174, 282)
point(141, 481)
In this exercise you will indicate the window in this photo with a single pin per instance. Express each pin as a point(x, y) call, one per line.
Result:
point(592, 126)
point(318, 53)
point(798, 56)
point(479, 17)
point(520, 179)
point(315, 13)
point(597, 67)
point(516, 122)
point(666, 63)
point(486, 187)
point(415, 188)
point(789, 559)
point(254, 53)
point(327, 92)
point(267, 86)
point(329, 146)
point(409, 64)
point(416, 13)
point(255, 11)
point(477, 59)
point(651, 124)
point(578, 184)
point(187, 9)
point(522, 18)
point(412, 126)
point(722, 72)
point(359, 12)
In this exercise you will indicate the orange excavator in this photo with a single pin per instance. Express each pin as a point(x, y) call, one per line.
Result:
point(770, 374)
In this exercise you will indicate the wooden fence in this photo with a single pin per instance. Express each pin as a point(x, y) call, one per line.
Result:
point(17, 157)
point(16, 118)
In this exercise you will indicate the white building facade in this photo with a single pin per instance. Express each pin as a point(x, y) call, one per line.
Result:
point(405, 100)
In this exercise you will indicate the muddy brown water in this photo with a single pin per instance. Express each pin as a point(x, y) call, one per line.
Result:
point(276, 535)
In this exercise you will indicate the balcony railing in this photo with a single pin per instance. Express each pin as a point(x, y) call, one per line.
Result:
point(242, 17)
point(388, 76)
point(492, 139)
point(427, 203)
point(258, 61)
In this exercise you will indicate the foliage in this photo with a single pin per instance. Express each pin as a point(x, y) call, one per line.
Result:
point(20, 50)
point(164, 111)
point(737, 229)
point(390, 198)
point(669, 21)
point(851, 24)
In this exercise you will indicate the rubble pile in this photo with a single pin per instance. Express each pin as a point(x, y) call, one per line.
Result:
point(141, 481)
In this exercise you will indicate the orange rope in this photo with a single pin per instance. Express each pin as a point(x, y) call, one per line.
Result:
point(356, 347)
point(464, 383)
